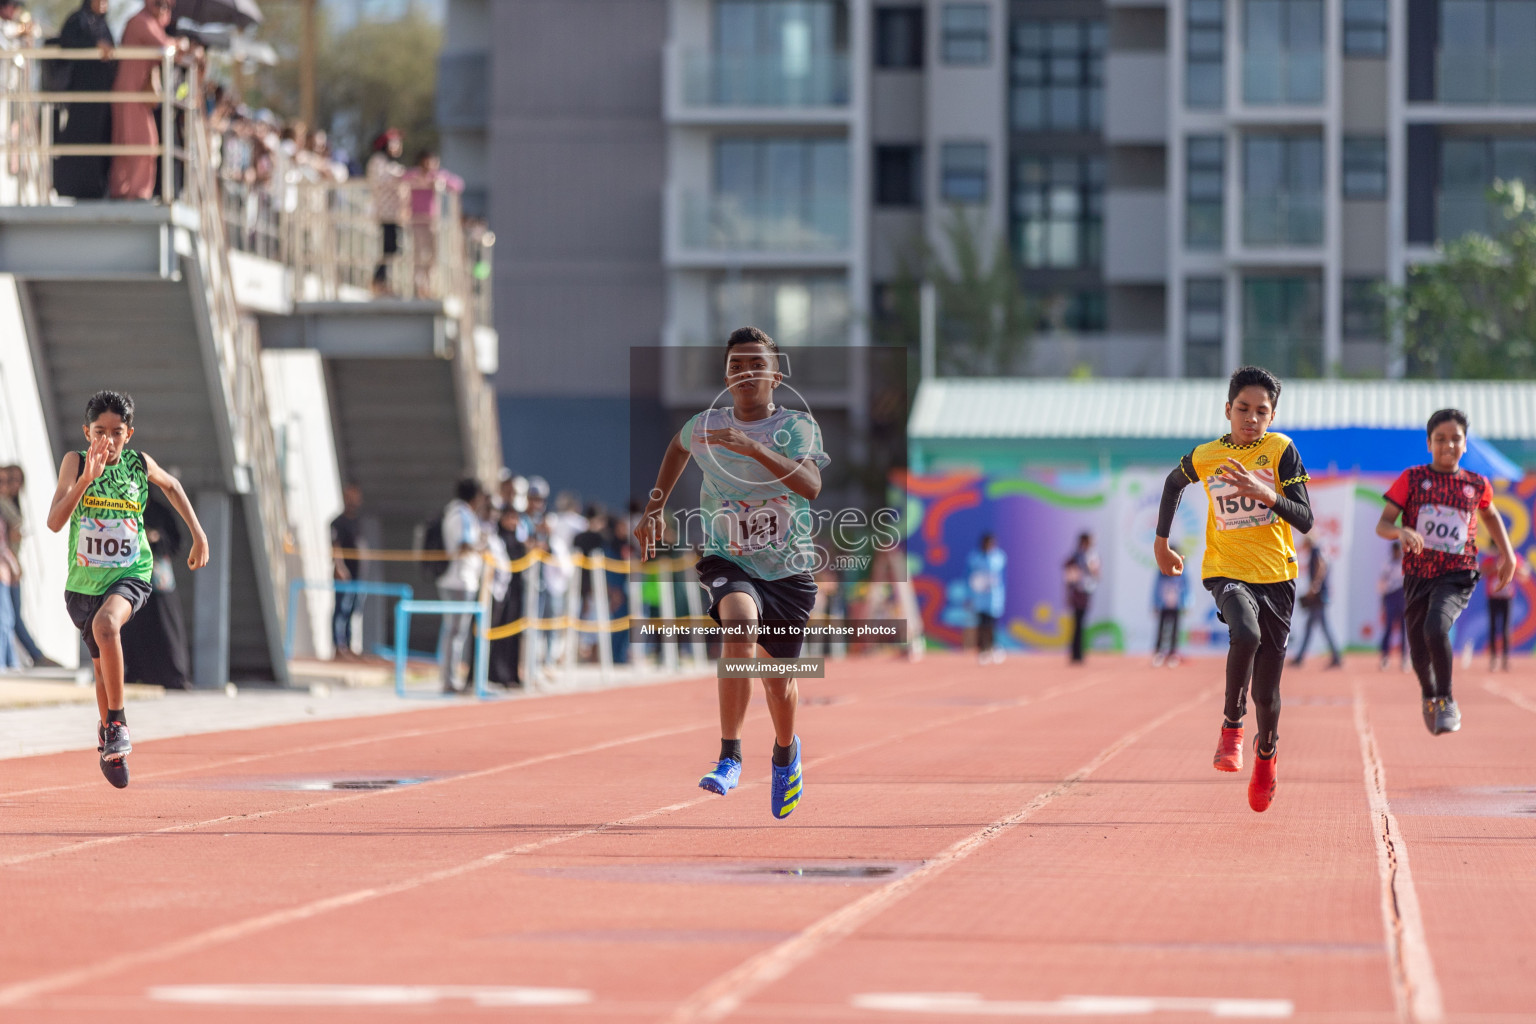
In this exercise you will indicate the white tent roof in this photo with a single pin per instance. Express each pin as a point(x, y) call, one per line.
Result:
point(1155, 408)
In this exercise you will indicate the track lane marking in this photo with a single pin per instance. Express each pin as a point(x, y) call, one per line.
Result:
point(21, 991)
point(1415, 987)
point(726, 994)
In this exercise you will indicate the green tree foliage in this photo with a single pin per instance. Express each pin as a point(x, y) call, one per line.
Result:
point(985, 319)
point(373, 76)
point(1473, 314)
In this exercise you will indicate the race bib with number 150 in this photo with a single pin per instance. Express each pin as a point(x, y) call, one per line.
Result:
point(1234, 512)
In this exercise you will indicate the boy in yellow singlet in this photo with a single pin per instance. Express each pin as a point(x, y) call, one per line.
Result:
point(1257, 488)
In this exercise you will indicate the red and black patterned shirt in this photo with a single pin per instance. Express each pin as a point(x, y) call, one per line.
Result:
point(1443, 508)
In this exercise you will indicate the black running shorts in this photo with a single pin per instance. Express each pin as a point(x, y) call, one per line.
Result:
point(83, 607)
point(784, 603)
point(1275, 603)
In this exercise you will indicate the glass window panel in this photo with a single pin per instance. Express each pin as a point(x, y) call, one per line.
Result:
point(1365, 28)
point(1514, 160)
point(1465, 164)
point(1514, 56)
point(1365, 168)
point(1464, 25)
point(966, 29)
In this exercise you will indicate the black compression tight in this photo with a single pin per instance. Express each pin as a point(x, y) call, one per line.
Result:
point(1427, 624)
point(1252, 657)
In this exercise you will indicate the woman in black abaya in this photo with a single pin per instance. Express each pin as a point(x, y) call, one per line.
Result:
point(89, 124)
point(155, 640)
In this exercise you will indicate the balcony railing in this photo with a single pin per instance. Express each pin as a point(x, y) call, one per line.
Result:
point(712, 79)
point(1505, 76)
point(1283, 77)
point(1282, 219)
point(764, 224)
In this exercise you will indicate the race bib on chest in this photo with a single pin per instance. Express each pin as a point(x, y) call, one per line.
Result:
point(754, 529)
point(1234, 512)
point(1444, 528)
point(107, 542)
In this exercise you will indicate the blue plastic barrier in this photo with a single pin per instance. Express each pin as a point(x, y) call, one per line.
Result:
point(403, 612)
point(401, 590)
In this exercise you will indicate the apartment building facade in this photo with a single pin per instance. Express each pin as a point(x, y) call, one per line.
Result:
point(1186, 185)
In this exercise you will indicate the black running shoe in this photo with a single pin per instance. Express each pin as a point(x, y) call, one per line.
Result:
point(115, 744)
point(1429, 716)
point(1447, 716)
point(116, 772)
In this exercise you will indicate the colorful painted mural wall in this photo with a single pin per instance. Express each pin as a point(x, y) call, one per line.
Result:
point(1036, 520)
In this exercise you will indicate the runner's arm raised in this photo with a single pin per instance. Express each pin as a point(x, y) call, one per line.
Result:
point(650, 528)
point(1169, 561)
point(177, 496)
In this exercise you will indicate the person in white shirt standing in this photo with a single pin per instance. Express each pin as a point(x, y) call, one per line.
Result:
point(464, 540)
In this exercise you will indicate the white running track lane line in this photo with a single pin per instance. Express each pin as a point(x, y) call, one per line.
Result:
point(12, 994)
point(189, 826)
point(1519, 700)
point(725, 995)
point(969, 1004)
point(1414, 984)
point(317, 748)
point(367, 995)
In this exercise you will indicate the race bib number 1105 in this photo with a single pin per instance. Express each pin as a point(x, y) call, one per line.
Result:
point(107, 542)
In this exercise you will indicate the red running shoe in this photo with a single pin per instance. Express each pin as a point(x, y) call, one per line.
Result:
point(1229, 752)
point(1261, 788)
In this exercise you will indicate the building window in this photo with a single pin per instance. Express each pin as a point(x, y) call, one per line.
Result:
point(1282, 51)
point(1365, 167)
point(967, 30)
point(1365, 309)
point(898, 37)
point(1283, 190)
point(794, 310)
point(1204, 326)
point(899, 175)
point(1365, 28)
point(1205, 47)
point(1283, 324)
point(775, 193)
point(1058, 210)
point(1486, 51)
point(776, 53)
point(1205, 184)
point(1468, 168)
point(963, 176)
point(1058, 76)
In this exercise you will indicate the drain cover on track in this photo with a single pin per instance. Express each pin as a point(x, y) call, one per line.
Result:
point(322, 784)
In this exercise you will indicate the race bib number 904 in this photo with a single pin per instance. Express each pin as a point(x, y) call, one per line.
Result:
point(1234, 512)
point(107, 542)
point(1444, 528)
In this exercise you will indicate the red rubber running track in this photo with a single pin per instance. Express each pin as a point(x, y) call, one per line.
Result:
point(1021, 841)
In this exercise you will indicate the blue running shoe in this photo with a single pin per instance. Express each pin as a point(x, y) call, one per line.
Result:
point(787, 785)
point(724, 778)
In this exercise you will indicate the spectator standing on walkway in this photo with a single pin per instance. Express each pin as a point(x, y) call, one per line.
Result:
point(155, 647)
point(985, 566)
point(1080, 573)
point(12, 481)
point(8, 573)
point(85, 124)
point(1393, 605)
point(1169, 596)
point(465, 543)
point(1315, 603)
point(506, 664)
point(346, 536)
point(136, 124)
point(425, 180)
point(391, 201)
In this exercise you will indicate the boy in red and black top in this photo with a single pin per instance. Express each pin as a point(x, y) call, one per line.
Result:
point(1440, 504)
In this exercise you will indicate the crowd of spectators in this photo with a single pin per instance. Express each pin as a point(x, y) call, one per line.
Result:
point(262, 161)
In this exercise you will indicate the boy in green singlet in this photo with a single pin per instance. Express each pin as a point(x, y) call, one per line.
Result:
point(101, 495)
